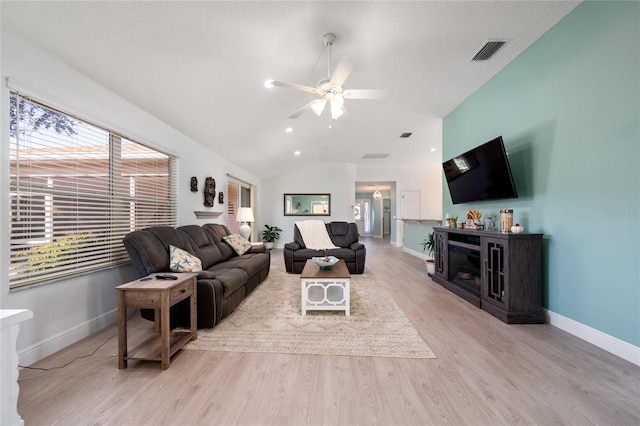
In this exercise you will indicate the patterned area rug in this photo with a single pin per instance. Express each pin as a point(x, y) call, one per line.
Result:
point(270, 320)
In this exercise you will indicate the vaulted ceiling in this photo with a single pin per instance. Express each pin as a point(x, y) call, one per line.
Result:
point(200, 66)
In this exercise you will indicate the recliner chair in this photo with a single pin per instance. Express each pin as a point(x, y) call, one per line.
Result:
point(343, 235)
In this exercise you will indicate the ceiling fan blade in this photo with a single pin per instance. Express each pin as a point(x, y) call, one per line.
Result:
point(342, 71)
point(302, 110)
point(366, 94)
point(295, 86)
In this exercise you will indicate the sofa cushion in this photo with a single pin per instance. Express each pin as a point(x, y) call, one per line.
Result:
point(216, 233)
point(251, 263)
point(345, 254)
point(238, 243)
point(183, 261)
point(203, 244)
point(232, 279)
point(343, 234)
point(149, 248)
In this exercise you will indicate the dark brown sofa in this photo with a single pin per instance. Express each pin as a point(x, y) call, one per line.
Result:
point(343, 235)
point(226, 278)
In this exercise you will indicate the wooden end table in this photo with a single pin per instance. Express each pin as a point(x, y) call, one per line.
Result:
point(160, 295)
point(325, 289)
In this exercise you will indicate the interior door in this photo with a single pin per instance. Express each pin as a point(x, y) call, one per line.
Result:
point(361, 216)
point(386, 216)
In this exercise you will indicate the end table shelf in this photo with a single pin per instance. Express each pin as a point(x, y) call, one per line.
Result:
point(160, 295)
point(151, 349)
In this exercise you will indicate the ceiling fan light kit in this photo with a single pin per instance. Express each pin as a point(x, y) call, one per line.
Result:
point(330, 89)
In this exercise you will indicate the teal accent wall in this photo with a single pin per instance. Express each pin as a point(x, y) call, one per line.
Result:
point(568, 110)
point(415, 233)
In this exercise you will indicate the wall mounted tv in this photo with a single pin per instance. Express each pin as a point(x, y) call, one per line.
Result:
point(482, 173)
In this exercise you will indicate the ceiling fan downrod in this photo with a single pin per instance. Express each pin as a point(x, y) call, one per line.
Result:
point(329, 39)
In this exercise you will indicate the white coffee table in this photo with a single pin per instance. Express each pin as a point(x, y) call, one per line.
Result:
point(325, 289)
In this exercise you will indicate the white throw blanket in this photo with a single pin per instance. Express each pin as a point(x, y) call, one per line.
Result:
point(315, 235)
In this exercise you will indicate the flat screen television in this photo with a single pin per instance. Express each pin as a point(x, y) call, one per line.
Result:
point(482, 173)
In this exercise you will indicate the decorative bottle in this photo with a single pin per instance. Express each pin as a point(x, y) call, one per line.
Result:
point(506, 220)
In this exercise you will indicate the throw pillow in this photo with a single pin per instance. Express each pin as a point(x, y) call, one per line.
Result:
point(183, 261)
point(238, 243)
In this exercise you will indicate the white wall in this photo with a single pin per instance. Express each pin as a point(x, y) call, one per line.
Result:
point(68, 310)
point(335, 179)
point(426, 178)
point(339, 180)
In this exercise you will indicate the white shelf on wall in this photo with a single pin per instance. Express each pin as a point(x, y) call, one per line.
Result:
point(206, 215)
point(421, 221)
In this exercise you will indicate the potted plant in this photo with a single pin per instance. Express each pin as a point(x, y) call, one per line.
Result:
point(428, 245)
point(270, 235)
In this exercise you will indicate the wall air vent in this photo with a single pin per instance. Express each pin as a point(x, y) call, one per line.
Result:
point(489, 49)
point(405, 135)
point(369, 156)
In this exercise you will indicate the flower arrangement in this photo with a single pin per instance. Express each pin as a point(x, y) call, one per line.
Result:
point(473, 217)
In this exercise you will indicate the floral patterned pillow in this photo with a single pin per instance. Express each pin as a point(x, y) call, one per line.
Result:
point(237, 242)
point(183, 261)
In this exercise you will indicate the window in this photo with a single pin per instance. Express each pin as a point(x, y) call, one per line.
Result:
point(76, 190)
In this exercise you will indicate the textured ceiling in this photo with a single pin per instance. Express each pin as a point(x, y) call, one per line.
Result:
point(200, 67)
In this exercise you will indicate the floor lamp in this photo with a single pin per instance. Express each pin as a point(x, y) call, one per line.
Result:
point(245, 215)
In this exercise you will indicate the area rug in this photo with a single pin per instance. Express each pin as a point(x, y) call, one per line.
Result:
point(270, 320)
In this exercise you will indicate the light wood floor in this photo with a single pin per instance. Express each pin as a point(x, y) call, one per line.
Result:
point(487, 372)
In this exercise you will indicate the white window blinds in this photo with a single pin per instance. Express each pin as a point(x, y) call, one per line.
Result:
point(76, 190)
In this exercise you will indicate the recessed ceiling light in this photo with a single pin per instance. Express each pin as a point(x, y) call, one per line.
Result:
point(289, 129)
point(432, 150)
point(297, 153)
point(268, 84)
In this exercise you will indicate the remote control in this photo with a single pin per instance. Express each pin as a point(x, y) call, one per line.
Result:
point(166, 277)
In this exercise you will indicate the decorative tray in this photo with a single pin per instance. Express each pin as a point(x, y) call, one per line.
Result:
point(325, 262)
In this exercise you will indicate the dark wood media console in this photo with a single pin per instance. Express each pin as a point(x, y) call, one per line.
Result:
point(499, 273)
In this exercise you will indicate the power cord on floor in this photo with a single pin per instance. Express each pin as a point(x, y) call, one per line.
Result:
point(60, 367)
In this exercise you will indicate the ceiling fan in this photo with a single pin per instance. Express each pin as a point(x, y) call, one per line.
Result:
point(330, 89)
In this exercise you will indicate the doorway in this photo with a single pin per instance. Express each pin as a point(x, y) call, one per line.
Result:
point(362, 212)
point(375, 209)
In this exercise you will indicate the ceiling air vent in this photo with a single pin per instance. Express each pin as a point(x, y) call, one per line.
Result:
point(368, 156)
point(405, 135)
point(488, 50)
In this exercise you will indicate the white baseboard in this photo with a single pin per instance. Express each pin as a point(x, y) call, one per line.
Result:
point(618, 347)
point(412, 252)
point(61, 340)
point(611, 344)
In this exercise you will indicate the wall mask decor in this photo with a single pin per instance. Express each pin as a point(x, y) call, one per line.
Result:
point(194, 184)
point(220, 198)
point(209, 191)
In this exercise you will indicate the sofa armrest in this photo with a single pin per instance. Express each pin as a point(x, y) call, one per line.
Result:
point(258, 248)
point(292, 246)
point(356, 246)
point(209, 275)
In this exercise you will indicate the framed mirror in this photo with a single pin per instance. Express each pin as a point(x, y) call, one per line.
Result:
point(307, 204)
